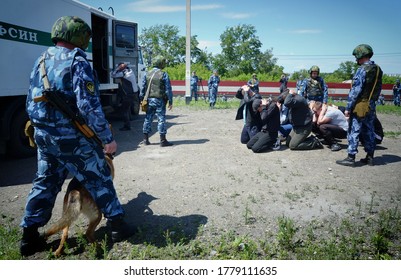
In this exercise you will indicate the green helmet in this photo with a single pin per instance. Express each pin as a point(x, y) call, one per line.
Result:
point(159, 62)
point(73, 30)
point(314, 68)
point(363, 50)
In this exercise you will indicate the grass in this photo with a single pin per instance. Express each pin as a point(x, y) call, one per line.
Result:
point(354, 237)
point(374, 237)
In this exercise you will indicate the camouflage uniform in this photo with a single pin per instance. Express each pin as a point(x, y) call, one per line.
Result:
point(213, 85)
point(361, 88)
point(194, 86)
point(397, 93)
point(314, 89)
point(62, 149)
point(157, 100)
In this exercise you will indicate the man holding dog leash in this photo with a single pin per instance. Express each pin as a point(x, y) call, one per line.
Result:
point(62, 148)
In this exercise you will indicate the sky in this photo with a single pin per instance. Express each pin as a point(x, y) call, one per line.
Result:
point(299, 33)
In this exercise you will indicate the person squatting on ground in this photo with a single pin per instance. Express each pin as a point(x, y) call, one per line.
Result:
point(329, 123)
point(213, 86)
point(157, 83)
point(301, 119)
point(366, 86)
point(249, 113)
point(397, 93)
point(314, 88)
point(61, 147)
point(128, 90)
point(267, 137)
point(194, 86)
point(253, 83)
point(285, 125)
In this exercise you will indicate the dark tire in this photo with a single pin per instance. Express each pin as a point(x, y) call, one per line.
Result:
point(18, 145)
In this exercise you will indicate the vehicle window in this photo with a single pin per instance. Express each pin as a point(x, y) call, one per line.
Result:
point(125, 36)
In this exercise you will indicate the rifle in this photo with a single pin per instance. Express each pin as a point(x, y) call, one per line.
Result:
point(54, 98)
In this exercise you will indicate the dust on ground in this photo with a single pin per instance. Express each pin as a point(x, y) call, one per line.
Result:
point(208, 178)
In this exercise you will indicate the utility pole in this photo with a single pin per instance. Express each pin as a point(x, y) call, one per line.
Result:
point(188, 54)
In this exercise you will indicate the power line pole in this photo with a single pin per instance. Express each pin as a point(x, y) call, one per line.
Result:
point(188, 54)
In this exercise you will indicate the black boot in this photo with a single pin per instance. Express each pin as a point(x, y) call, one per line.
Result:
point(31, 241)
point(146, 139)
point(368, 160)
point(164, 142)
point(348, 161)
point(120, 229)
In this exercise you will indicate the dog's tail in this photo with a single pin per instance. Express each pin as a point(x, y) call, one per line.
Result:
point(72, 209)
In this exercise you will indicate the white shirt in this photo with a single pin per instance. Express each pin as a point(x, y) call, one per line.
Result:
point(127, 74)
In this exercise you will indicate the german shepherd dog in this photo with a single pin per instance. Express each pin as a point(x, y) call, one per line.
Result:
point(78, 200)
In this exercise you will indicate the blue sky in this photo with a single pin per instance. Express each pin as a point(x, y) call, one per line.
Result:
point(300, 34)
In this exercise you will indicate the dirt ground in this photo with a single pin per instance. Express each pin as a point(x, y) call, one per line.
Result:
point(209, 178)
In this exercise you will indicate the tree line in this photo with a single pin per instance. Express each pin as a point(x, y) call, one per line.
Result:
point(241, 56)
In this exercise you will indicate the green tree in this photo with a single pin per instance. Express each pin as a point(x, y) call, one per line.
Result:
point(165, 40)
point(240, 51)
point(160, 40)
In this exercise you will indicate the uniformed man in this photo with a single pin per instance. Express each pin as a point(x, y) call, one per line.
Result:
point(253, 83)
point(62, 148)
point(314, 88)
point(397, 92)
point(213, 86)
point(366, 84)
point(157, 86)
point(194, 86)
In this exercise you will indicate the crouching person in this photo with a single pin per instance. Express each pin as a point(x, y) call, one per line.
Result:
point(301, 119)
point(267, 137)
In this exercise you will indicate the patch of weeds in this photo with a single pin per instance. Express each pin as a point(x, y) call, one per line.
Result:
point(286, 233)
point(392, 134)
point(292, 196)
point(9, 242)
point(234, 178)
point(252, 198)
point(248, 216)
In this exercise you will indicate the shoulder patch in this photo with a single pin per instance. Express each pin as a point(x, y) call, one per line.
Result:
point(90, 87)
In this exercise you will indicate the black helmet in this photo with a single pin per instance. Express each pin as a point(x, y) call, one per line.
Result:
point(363, 50)
point(73, 30)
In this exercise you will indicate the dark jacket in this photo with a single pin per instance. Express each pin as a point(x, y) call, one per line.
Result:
point(270, 117)
point(246, 100)
point(300, 114)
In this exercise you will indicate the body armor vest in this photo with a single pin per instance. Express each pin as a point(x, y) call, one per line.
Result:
point(157, 87)
point(371, 72)
point(314, 88)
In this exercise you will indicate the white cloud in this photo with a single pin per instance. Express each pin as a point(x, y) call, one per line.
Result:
point(160, 6)
point(236, 15)
point(306, 31)
point(206, 7)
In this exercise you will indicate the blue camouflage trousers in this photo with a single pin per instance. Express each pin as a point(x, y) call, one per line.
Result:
point(361, 127)
point(212, 95)
point(156, 106)
point(58, 156)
